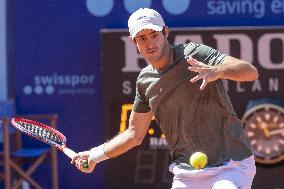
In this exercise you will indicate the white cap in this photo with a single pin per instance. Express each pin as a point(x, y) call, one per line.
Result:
point(145, 18)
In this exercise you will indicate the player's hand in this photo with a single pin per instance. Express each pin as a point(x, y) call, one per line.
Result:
point(205, 72)
point(79, 159)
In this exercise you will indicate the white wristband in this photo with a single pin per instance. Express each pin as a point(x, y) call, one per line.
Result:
point(97, 154)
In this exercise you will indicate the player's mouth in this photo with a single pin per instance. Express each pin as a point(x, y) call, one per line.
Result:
point(151, 52)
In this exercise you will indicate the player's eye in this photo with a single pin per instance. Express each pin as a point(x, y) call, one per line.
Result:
point(154, 35)
point(141, 39)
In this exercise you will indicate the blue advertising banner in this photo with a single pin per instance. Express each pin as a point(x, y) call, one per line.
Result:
point(57, 64)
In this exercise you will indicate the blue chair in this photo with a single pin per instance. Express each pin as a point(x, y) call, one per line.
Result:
point(15, 155)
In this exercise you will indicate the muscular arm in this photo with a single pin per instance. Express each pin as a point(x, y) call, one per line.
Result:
point(231, 68)
point(237, 70)
point(133, 136)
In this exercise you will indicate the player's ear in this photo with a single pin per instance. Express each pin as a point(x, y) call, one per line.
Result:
point(132, 40)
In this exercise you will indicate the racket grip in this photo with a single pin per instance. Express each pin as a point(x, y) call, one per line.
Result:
point(70, 153)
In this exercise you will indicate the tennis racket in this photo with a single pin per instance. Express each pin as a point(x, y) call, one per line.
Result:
point(45, 134)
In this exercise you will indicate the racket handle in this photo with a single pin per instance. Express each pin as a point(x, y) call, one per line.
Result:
point(70, 153)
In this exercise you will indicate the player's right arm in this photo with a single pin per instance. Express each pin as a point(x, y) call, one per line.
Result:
point(131, 137)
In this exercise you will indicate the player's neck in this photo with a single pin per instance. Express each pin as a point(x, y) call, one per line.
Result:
point(166, 59)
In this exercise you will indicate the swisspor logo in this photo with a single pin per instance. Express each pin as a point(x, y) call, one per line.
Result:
point(61, 84)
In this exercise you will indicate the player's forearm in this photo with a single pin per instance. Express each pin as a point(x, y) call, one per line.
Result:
point(121, 143)
point(131, 137)
point(237, 70)
point(115, 147)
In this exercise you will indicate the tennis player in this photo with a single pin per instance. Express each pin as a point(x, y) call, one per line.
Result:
point(182, 89)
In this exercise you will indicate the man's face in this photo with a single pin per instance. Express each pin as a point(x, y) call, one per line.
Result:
point(151, 44)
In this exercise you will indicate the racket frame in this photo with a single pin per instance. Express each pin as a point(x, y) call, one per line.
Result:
point(16, 121)
point(62, 147)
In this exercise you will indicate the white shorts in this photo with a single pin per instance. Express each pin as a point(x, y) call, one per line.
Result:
point(233, 175)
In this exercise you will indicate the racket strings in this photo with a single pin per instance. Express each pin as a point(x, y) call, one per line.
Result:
point(42, 133)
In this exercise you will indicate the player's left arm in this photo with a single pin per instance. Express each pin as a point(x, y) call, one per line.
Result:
point(231, 68)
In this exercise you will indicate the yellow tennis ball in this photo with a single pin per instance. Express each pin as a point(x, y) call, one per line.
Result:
point(198, 160)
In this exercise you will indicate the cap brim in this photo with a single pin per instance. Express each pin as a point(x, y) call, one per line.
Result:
point(148, 26)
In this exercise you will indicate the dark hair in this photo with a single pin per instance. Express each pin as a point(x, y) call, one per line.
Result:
point(164, 31)
point(168, 38)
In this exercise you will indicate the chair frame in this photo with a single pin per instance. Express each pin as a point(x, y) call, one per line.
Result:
point(10, 164)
